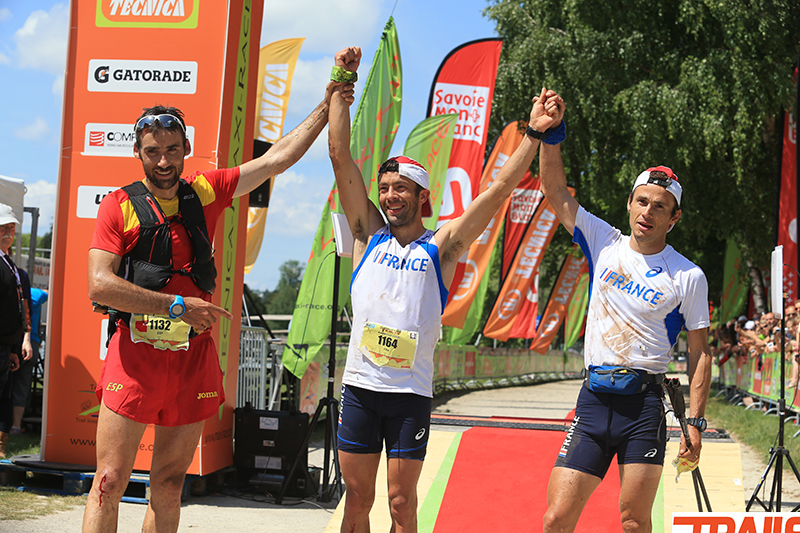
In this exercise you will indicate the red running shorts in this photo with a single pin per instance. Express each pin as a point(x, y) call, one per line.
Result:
point(161, 387)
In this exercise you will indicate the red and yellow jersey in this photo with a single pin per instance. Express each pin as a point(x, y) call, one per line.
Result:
point(117, 228)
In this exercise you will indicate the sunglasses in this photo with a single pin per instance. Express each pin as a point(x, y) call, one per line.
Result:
point(166, 120)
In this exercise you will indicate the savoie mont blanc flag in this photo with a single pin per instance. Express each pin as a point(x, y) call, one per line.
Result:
point(276, 63)
point(479, 255)
point(556, 309)
point(430, 143)
point(371, 137)
point(464, 85)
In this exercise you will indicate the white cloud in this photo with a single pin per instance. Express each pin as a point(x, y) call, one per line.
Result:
point(42, 40)
point(324, 24)
point(34, 131)
point(295, 205)
point(5, 14)
point(58, 86)
point(4, 59)
point(41, 194)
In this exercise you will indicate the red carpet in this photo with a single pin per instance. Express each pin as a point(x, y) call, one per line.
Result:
point(499, 484)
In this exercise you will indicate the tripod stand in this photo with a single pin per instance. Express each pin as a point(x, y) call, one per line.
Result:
point(331, 404)
point(777, 453)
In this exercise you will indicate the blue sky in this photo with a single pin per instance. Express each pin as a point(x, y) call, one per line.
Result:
point(33, 37)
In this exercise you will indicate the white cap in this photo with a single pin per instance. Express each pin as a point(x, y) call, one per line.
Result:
point(671, 183)
point(415, 172)
point(7, 215)
point(750, 324)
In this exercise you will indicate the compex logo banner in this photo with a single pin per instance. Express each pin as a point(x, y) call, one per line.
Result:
point(147, 13)
point(142, 76)
point(114, 140)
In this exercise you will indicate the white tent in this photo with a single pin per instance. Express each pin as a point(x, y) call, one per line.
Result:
point(12, 190)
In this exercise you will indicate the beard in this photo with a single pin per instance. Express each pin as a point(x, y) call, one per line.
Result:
point(405, 217)
point(163, 183)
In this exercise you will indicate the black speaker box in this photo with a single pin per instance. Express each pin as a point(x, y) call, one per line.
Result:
point(266, 445)
point(259, 197)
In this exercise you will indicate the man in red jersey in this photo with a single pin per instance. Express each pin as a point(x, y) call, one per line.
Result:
point(151, 260)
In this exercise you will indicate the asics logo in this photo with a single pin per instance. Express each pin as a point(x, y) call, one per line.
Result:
point(651, 452)
point(420, 434)
point(653, 272)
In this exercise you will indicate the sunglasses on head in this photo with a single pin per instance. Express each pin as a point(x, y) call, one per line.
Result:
point(166, 120)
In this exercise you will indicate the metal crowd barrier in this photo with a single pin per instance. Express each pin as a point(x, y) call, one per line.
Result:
point(260, 372)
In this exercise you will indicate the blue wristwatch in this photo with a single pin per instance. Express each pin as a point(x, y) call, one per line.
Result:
point(177, 309)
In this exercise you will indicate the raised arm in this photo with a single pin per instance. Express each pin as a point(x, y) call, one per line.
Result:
point(554, 182)
point(290, 148)
point(362, 215)
point(456, 236)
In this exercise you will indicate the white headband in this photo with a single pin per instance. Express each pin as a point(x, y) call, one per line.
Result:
point(671, 183)
point(413, 171)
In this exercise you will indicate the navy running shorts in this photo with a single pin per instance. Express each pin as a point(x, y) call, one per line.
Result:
point(631, 427)
point(368, 418)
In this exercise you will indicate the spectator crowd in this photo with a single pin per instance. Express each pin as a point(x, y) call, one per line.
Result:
point(759, 335)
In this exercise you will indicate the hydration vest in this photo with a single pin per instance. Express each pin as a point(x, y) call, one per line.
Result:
point(149, 264)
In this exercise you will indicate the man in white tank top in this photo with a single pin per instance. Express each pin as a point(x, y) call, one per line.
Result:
point(400, 279)
point(643, 293)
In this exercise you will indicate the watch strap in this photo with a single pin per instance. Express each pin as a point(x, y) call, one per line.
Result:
point(535, 134)
point(177, 301)
point(698, 422)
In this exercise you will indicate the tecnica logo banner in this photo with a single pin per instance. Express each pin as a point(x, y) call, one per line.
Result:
point(147, 13)
point(137, 76)
point(114, 140)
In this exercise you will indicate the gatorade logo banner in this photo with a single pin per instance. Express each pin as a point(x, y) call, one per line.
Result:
point(148, 76)
point(464, 85)
point(147, 13)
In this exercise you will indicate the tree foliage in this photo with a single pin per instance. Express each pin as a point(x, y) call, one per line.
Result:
point(697, 85)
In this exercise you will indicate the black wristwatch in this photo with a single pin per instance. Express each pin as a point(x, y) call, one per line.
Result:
point(699, 422)
point(535, 133)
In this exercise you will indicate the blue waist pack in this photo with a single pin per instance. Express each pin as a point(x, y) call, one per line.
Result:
point(614, 380)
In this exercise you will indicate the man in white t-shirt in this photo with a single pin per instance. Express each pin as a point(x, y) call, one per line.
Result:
point(643, 293)
point(401, 274)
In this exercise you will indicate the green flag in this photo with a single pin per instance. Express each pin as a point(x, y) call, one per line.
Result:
point(734, 292)
point(372, 134)
point(429, 143)
point(576, 311)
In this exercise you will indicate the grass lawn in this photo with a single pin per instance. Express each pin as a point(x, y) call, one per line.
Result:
point(751, 427)
point(18, 505)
